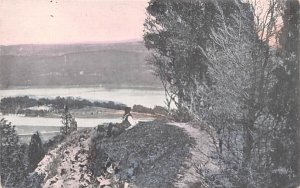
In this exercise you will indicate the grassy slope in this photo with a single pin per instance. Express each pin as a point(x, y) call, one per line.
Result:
point(151, 154)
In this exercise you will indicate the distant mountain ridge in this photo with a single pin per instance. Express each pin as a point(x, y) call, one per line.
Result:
point(75, 64)
point(60, 49)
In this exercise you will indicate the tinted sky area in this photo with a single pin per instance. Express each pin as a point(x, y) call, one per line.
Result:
point(70, 21)
point(73, 21)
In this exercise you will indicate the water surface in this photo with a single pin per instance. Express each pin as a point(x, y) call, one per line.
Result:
point(143, 96)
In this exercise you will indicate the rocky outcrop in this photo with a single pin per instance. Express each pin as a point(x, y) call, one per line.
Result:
point(64, 166)
point(151, 154)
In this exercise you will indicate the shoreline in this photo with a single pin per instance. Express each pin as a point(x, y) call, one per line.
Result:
point(104, 86)
point(89, 112)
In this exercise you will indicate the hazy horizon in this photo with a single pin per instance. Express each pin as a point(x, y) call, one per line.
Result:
point(80, 42)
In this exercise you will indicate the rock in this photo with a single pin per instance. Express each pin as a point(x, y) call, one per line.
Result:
point(52, 182)
point(63, 172)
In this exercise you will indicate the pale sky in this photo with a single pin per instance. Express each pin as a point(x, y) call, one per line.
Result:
point(71, 21)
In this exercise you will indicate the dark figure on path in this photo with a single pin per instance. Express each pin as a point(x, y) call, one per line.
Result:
point(118, 128)
point(127, 117)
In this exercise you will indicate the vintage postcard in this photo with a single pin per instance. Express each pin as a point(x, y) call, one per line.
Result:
point(149, 93)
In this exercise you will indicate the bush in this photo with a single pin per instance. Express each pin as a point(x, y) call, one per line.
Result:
point(142, 109)
point(12, 161)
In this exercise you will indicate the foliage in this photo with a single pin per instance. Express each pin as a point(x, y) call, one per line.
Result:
point(172, 32)
point(35, 151)
point(68, 121)
point(142, 109)
point(159, 110)
point(12, 161)
point(285, 96)
point(20, 105)
point(217, 60)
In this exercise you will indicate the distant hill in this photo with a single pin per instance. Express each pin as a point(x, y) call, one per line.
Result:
point(75, 65)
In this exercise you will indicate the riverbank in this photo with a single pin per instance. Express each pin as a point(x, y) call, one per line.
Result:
point(148, 97)
point(89, 112)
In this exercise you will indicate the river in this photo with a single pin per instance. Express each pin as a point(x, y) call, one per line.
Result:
point(27, 125)
point(143, 96)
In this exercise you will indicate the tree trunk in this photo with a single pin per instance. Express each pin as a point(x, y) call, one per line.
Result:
point(298, 107)
point(247, 147)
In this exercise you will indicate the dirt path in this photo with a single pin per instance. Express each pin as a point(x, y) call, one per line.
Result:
point(199, 162)
point(67, 166)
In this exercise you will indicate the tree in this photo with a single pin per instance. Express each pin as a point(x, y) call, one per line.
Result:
point(177, 40)
point(35, 151)
point(69, 123)
point(227, 87)
point(12, 163)
point(285, 97)
point(240, 64)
